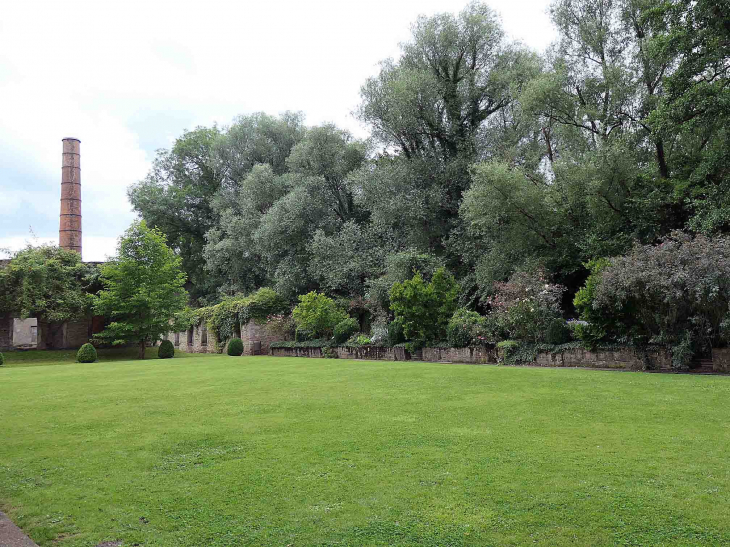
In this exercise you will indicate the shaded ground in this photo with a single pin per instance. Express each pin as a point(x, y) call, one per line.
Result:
point(217, 450)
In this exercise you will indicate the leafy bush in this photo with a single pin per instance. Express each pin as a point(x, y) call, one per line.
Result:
point(526, 305)
point(317, 314)
point(86, 354)
point(166, 351)
point(675, 294)
point(395, 333)
point(235, 347)
point(558, 332)
point(595, 325)
point(2, 360)
point(425, 309)
point(467, 328)
point(344, 329)
point(303, 335)
point(358, 340)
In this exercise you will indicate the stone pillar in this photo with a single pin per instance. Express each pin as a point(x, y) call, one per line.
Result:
point(69, 233)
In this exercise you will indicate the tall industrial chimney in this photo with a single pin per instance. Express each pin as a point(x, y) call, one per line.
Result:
point(69, 232)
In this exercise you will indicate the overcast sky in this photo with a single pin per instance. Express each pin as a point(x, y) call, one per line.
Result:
point(128, 77)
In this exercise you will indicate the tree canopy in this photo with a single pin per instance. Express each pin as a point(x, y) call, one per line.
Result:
point(486, 158)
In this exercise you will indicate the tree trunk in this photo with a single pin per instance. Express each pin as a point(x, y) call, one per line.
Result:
point(140, 355)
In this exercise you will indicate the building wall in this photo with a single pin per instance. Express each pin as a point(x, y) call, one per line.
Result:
point(23, 332)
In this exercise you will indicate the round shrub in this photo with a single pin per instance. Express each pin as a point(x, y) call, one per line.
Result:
point(2, 359)
point(86, 354)
point(344, 329)
point(235, 347)
point(166, 350)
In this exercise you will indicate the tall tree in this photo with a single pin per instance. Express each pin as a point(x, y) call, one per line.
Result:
point(143, 288)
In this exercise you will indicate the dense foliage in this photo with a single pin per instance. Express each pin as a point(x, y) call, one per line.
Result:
point(487, 159)
point(675, 294)
point(317, 315)
point(166, 350)
point(424, 309)
point(49, 283)
point(2, 360)
point(86, 354)
point(143, 289)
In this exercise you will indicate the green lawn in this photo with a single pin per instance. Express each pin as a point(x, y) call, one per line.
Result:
point(216, 450)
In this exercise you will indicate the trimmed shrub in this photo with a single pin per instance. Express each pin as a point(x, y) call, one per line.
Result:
point(508, 348)
point(344, 329)
point(2, 359)
point(558, 332)
point(235, 347)
point(166, 351)
point(86, 354)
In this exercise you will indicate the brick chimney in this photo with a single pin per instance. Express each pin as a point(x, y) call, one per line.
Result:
point(69, 232)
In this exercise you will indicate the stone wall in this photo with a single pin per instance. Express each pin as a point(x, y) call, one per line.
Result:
point(70, 335)
point(622, 359)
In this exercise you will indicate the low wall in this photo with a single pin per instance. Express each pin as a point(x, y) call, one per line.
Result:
point(621, 359)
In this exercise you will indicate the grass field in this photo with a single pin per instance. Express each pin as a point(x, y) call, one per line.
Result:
point(216, 450)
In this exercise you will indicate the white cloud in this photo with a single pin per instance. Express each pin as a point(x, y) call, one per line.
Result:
point(129, 77)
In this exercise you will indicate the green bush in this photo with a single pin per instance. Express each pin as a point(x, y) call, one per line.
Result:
point(317, 314)
point(86, 354)
point(2, 359)
point(425, 309)
point(395, 333)
point(329, 353)
point(344, 329)
point(167, 350)
point(235, 347)
point(508, 349)
point(303, 335)
point(467, 328)
point(558, 332)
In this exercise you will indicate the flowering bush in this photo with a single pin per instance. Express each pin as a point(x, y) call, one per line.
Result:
point(526, 305)
point(675, 294)
point(468, 328)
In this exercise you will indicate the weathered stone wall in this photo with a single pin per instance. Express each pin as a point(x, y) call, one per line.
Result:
point(70, 335)
point(623, 359)
point(478, 355)
point(199, 340)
